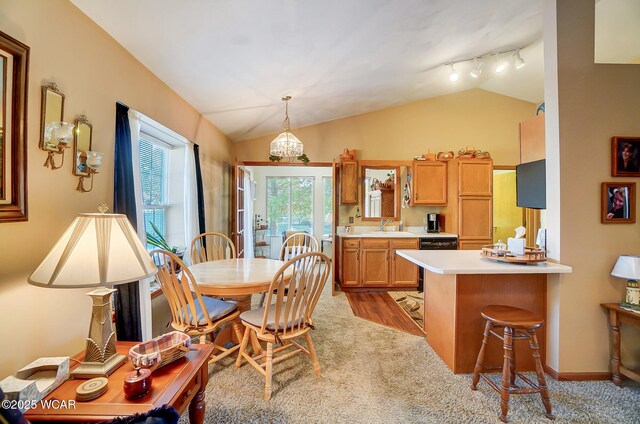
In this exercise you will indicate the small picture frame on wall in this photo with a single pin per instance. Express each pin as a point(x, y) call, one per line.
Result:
point(618, 203)
point(625, 156)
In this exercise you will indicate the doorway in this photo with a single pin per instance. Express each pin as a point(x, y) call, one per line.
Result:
point(506, 215)
point(287, 197)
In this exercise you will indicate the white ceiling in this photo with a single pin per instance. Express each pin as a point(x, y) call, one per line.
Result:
point(234, 60)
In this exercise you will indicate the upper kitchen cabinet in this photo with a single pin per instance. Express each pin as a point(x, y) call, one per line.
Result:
point(349, 182)
point(469, 211)
point(475, 177)
point(429, 183)
point(532, 146)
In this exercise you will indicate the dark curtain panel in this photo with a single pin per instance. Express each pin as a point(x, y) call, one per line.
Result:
point(127, 297)
point(196, 154)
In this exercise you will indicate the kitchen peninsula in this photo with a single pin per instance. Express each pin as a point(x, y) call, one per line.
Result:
point(458, 284)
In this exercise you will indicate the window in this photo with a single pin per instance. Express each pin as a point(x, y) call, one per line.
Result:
point(153, 173)
point(290, 204)
point(327, 205)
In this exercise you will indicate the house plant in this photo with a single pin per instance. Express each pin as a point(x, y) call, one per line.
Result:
point(155, 238)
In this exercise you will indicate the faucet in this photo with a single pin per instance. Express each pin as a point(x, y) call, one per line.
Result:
point(384, 222)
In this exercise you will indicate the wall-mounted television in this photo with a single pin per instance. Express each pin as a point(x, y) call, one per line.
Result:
point(531, 185)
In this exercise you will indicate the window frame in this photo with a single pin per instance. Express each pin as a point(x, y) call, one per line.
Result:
point(290, 178)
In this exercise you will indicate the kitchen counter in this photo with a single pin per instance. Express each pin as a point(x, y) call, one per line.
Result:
point(458, 284)
point(470, 262)
point(396, 234)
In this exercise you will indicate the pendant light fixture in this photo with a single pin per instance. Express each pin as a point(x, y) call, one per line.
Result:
point(286, 145)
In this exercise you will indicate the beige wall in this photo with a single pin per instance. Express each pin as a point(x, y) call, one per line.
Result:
point(94, 72)
point(591, 104)
point(474, 118)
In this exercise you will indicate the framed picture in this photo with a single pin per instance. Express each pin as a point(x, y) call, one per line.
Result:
point(14, 67)
point(618, 203)
point(625, 156)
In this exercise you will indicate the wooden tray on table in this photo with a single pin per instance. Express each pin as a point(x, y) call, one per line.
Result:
point(531, 255)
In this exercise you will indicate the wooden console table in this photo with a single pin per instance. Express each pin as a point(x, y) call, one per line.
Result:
point(179, 384)
point(617, 316)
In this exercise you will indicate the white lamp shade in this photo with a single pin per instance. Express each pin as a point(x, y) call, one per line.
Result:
point(286, 145)
point(627, 266)
point(96, 250)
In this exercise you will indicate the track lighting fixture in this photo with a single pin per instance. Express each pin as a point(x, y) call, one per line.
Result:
point(454, 75)
point(518, 61)
point(477, 68)
point(501, 63)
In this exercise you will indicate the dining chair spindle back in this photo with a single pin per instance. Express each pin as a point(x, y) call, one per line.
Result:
point(211, 246)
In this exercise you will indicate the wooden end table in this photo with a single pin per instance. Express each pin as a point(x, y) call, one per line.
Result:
point(617, 316)
point(179, 384)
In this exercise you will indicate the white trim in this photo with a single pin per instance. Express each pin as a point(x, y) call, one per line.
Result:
point(160, 132)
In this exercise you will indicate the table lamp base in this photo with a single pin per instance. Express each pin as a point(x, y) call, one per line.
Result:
point(98, 369)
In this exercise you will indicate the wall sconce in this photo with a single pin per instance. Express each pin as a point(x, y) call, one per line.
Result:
point(57, 136)
point(93, 161)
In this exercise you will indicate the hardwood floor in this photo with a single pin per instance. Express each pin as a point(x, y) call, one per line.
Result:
point(380, 308)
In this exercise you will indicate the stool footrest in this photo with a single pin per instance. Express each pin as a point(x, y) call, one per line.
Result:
point(517, 334)
point(534, 388)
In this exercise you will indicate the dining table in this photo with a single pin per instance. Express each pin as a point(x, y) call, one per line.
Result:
point(236, 279)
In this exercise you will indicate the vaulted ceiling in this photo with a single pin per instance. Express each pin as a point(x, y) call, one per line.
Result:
point(234, 60)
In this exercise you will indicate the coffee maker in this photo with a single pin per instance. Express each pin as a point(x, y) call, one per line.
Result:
point(433, 223)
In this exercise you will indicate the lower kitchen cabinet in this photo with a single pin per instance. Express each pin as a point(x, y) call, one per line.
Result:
point(372, 262)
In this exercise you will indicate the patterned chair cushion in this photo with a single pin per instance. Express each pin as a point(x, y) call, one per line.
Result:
point(216, 308)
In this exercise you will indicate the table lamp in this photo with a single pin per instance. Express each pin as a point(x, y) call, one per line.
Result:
point(628, 266)
point(96, 250)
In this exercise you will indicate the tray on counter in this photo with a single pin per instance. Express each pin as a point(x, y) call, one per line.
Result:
point(531, 255)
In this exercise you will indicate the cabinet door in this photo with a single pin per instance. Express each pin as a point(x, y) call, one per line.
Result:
point(350, 267)
point(429, 183)
point(349, 182)
point(475, 177)
point(532, 146)
point(473, 244)
point(476, 218)
point(375, 267)
point(403, 272)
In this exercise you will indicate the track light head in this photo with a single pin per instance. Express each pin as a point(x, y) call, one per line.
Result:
point(454, 75)
point(518, 61)
point(501, 65)
point(477, 68)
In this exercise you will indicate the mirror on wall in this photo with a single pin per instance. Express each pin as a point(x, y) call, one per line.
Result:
point(14, 61)
point(380, 192)
point(52, 113)
point(81, 145)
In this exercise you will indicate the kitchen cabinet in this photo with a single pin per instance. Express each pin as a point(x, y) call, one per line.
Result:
point(469, 212)
point(349, 182)
point(403, 272)
point(532, 143)
point(372, 262)
point(429, 183)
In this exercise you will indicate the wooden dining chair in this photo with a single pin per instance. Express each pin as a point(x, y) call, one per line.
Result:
point(287, 315)
point(211, 246)
point(295, 244)
point(298, 243)
point(191, 312)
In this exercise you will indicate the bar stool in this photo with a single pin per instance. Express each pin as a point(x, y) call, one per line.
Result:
point(518, 324)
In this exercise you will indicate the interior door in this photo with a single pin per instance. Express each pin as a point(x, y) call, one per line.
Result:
point(238, 208)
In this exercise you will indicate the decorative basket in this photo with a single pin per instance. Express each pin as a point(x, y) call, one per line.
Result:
point(531, 255)
point(160, 351)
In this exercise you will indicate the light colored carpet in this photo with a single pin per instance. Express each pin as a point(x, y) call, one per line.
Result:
point(374, 374)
